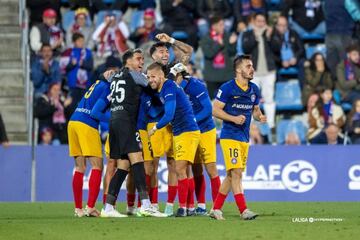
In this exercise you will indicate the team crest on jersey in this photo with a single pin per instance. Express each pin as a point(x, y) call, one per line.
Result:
point(234, 161)
point(253, 97)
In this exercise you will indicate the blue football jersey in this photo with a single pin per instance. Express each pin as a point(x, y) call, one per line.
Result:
point(184, 119)
point(150, 110)
point(99, 90)
point(197, 93)
point(238, 102)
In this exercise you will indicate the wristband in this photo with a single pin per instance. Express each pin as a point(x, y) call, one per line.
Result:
point(172, 40)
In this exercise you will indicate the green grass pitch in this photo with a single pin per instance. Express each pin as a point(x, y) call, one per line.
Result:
point(277, 220)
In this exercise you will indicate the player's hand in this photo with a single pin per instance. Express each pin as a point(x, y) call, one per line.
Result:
point(108, 74)
point(240, 120)
point(262, 119)
point(163, 37)
point(178, 68)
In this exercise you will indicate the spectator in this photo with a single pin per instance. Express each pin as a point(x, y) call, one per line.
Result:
point(77, 63)
point(51, 110)
point(218, 47)
point(208, 9)
point(339, 31)
point(317, 74)
point(37, 7)
point(3, 136)
point(331, 136)
point(255, 135)
point(47, 137)
point(256, 42)
point(292, 139)
point(148, 31)
point(80, 26)
point(47, 33)
point(241, 29)
point(244, 9)
point(45, 70)
point(110, 36)
point(286, 44)
point(178, 16)
point(348, 75)
point(324, 113)
point(307, 16)
point(353, 123)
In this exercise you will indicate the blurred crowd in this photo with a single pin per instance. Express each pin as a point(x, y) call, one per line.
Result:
point(315, 42)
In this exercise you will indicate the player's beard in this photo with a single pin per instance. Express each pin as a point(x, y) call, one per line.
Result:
point(246, 76)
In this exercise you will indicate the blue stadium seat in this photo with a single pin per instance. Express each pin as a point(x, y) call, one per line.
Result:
point(310, 36)
point(311, 49)
point(346, 107)
point(286, 126)
point(180, 35)
point(134, 1)
point(264, 130)
point(288, 95)
point(289, 71)
point(68, 19)
point(136, 19)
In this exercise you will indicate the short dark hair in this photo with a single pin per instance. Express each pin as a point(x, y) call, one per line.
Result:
point(157, 65)
point(45, 45)
point(76, 36)
point(156, 45)
point(129, 54)
point(239, 59)
point(352, 47)
point(215, 19)
point(260, 14)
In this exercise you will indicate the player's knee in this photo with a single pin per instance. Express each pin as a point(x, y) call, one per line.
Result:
point(212, 170)
point(80, 168)
point(236, 174)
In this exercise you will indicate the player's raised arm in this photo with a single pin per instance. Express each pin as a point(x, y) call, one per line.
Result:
point(184, 49)
point(258, 115)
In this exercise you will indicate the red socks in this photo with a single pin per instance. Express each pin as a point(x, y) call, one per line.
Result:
point(183, 188)
point(94, 187)
point(154, 195)
point(190, 197)
point(219, 202)
point(130, 198)
point(215, 185)
point(77, 185)
point(172, 193)
point(240, 202)
point(200, 188)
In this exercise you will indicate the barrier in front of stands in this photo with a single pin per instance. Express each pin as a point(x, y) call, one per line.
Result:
point(274, 173)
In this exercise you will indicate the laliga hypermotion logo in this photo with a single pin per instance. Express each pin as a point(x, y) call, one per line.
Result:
point(299, 176)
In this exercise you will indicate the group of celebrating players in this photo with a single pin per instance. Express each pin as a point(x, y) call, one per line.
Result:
point(165, 112)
